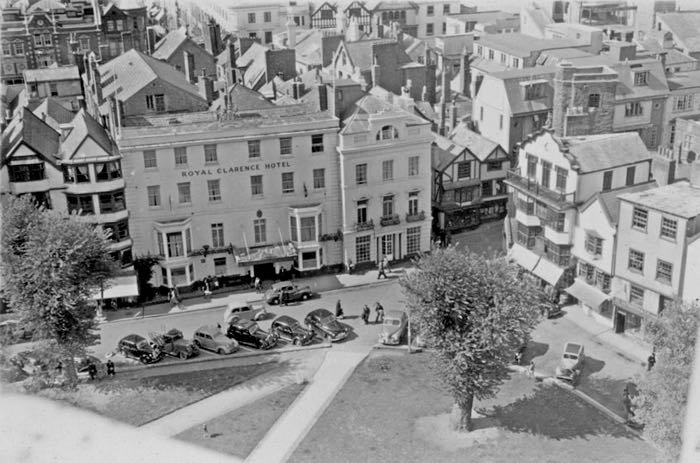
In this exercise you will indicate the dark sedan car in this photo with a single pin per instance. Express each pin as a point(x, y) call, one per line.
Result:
point(288, 329)
point(137, 347)
point(248, 333)
point(325, 325)
point(294, 293)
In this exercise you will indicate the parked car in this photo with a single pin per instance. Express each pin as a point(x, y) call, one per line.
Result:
point(394, 327)
point(290, 330)
point(295, 293)
point(242, 309)
point(325, 325)
point(82, 365)
point(211, 338)
point(248, 333)
point(136, 347)
point(571, 363)
point(174, 344)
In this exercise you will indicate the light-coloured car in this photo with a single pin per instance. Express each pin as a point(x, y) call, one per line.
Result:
point(211, 338)
point(393, 327)
point(571, 363)
point(242, 310)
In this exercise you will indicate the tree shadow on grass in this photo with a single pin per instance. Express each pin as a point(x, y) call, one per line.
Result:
point(608, 391)
point(552, 412)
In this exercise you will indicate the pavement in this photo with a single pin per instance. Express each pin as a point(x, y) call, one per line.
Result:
point(291, 428)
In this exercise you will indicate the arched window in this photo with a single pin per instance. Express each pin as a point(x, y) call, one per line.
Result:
point(388, 132)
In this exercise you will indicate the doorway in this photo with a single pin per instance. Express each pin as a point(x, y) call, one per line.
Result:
point(619, 322)
point(265, 271)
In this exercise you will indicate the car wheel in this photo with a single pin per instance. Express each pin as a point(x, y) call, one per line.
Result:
point(296, 342)
point(220, 351)
point(145, 359)
point(183, 355)
point(196, 343)
point(275, 301)
point(304, 296)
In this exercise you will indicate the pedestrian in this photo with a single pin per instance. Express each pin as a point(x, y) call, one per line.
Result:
point(258, 287)
point(531, 369)
point(110, 367)
point(207, 288)
point(386, 264)
point(380, 313)
point(284, 297)
point(205, 431)
point(365, 314)
point(172, 297)
point(382, 271)
point(651, 361)
point(338, 310)
point(92, 371)
point(351, 267)
point(627, 402)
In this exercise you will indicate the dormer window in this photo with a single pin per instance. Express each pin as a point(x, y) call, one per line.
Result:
point(534, 91)
point(388, 132)
point(641, 78)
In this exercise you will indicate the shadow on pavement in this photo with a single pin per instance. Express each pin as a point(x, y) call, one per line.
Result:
point(534, 349)
point(591, 367)
point(608, 392)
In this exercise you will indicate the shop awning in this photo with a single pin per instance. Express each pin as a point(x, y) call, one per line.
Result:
point(548, 271)
point(121, 286)
point(266, 254)
point(523, 257)
point(589, 295)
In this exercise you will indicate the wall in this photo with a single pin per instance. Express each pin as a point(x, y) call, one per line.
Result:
point(592, 183)
point(691, 288)
point(175, 100)
point(492, 98)
point(594, 218)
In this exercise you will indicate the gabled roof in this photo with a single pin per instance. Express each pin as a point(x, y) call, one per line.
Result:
point(609, 199)
point(514, 83)
point(361, 53)
point(328, 4)
point(85, 126)
point(685, 27)
point(356, 118)
point(169, 44)
point(46, 5)
point(55, 113)
point(599, 152)
point(244, 98)
point(395, 5)
point(478, 145)
point(253, 60)
point(680, 198)
point(129, 73)
point(33, 132)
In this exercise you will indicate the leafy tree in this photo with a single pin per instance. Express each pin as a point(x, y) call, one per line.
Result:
point(663, 391)
point(144, 271)
point(51, 264)
point(474, 313)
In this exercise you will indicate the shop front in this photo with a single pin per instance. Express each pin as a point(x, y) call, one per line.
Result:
point(627, 318)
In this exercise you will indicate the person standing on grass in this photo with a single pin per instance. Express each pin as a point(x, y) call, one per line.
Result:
point(110, 367)
point(531, 369)
point(651, 361)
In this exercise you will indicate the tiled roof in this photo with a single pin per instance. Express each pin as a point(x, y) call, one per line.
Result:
point(134, 70)
point(356, 118)
point(656, 79)
point(361, 52)
point(46, 5)
point(32, 131)
point(56, 114)
point(393, 5)
point(687, 79)
point(244, 98)
point(85, 126)
point(598, 152)
point(169, 44)
point(522, 45)
point(51, 74)
point(680, 198)
point(478, 145)
point(253, 60)
point(609, 199)
point(441, 155)
point(514, 84)
point(685, 27)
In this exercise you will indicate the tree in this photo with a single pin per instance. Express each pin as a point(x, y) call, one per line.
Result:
point(663, 391)
point(474, 313)
point(144, 272)
point(51, 264)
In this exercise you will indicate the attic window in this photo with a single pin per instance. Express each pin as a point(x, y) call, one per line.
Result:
point(641, 78)
point(388, 132)
point(534, 91)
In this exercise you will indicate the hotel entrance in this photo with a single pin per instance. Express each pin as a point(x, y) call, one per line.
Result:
point(265, 271)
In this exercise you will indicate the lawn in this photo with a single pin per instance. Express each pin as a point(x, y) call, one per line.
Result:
point(238, 432)
point(140, 400)
point(388, 411)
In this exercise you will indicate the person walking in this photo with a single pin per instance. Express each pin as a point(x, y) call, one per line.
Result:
point(651, 361)
point(338, 310)
point(380, 313)
point(382, 271)
point(258, 286)
point(531, 369)
point(92, 371)
point(365, 314)
point(205, 431)
point(207, 289)
point(284, 297)
point(110, 367)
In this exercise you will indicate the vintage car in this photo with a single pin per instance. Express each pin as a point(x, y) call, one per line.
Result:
point(294, 293)
point(290, 330)
point(211, 338)
point(242, 309)
point(174, 344)
point(325, 325)
point(571, 363)
point(137, 347)
point(248, 333)
point(394, 327)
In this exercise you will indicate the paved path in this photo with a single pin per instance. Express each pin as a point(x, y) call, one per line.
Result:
point(291, 428)
point(236, 397)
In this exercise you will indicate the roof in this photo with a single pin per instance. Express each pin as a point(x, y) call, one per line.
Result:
point(32, 131)
point(680, 80)
point(522, 45)
point(656, 79)
point(678, 198)
point(356, 118)
point(253, 60)
point(598, 152)
point(478, 145)
point(514, 86)
point(685, 27)
point(85, 126)
point(129, 73)
point(361, 52)
point(169, 44)
point(51, 74)
point(484, 16)
point(395, 5)
point(609, 199)
point(441, 157)
point(244, 98)
point(46, 5)
point(54, 113)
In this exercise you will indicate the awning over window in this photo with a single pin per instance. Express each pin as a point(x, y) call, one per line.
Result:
point(121, 286)
point(523, 257)
point(548, 271)
point(589, 295)
point(266, 254)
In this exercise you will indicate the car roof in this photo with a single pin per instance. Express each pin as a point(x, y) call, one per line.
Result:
point(572, 348)
point(133, 338)
point(320, 313)
point(173, 332)
point(286, 319)
point(208, 329)
point(243, 323)
point(395, 314)
point(279, 285)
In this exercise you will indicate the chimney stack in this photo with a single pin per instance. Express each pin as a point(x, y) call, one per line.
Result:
point(444, 97)
point(212, 41)
point(376, 71)
point(465, 75)
point(453, 115)
point(205, 86)
point(150, 40)
point(291, 31)
point(190, 71)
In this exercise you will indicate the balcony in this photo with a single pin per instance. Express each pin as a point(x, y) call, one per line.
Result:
point(417, 217)
point(553, 198)
point(389, 220)
point(362, 226)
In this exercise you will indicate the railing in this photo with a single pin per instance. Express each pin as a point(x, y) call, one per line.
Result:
point(564, 199)
point(388, 220)
point(417, 217)
point(362, 226)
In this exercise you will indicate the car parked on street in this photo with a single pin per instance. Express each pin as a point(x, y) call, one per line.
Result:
point(242, 309)
point(290, 330)
point(248, 333)
point(211, 338)
point(294, 292)
point(325, 325)
point(571, 363)
point(174, 344)
point(137, 347)
point(393, 327)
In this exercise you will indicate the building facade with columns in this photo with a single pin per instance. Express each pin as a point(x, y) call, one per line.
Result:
point(247, 193)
